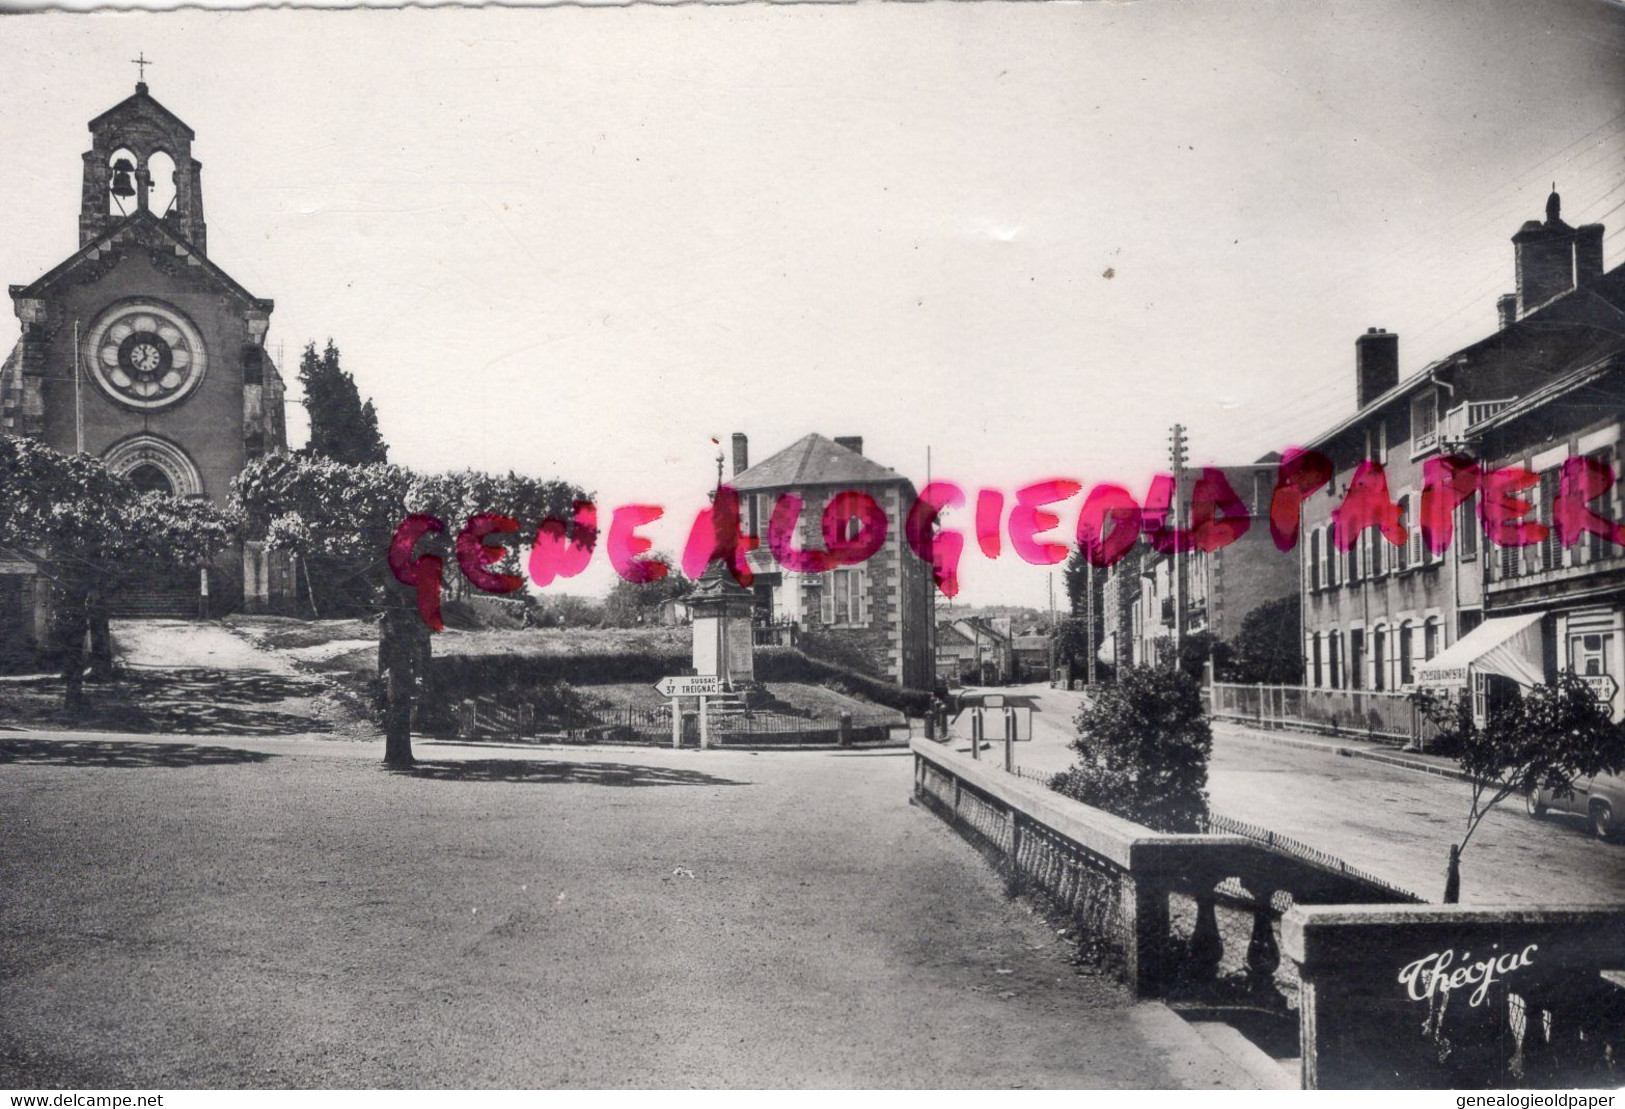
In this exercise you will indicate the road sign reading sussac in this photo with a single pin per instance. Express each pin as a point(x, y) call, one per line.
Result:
point(697, 685)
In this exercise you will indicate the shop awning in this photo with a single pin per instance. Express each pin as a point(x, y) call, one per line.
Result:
point(1507, 645)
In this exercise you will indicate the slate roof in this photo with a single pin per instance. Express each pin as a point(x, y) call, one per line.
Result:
point(813, 460)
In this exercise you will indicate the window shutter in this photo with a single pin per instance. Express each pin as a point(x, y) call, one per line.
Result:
point(860, 585)
point(1314, 559)
point(1551, 548)
point(1594, 545)
point(1412, 530)
point(826, 599)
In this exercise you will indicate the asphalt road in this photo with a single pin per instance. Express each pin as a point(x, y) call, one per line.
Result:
point(285, 912)
point(1393, 822)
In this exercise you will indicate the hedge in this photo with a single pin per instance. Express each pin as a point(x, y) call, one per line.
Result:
point(460, 676)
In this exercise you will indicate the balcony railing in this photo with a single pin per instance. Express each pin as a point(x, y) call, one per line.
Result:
point(1452, 430)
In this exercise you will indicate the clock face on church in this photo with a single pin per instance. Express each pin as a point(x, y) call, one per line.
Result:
point(145, 355)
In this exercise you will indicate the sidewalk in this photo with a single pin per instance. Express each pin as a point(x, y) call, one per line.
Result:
point(1347, 746)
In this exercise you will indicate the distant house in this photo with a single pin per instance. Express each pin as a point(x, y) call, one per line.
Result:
point(975, 649)
point(1030, 657)
point(956, 653)
point(881, 608)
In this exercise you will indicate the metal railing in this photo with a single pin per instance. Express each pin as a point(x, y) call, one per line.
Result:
point(1372, 714)
point(1219, 824)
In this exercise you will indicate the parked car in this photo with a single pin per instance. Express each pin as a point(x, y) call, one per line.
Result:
point(1600, 799)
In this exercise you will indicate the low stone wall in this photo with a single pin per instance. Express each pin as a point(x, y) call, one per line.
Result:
point(1453, 997)
point(1182, 915)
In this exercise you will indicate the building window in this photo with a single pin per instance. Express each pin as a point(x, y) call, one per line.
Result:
point(843, 601)
point(1314, 648)
point(1467, 529)
point(1357, 659)
point(1379, 656)
point(1591, 654)
point(1414, 557)
point(1424, 422)
point(1430, 639)
point(1314, 560)
point(1334, 652)
point(1406, 632)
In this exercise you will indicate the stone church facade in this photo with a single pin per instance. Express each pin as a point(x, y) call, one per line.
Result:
point(140, 350)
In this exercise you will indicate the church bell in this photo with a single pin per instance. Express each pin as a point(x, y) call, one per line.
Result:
point(121, 178)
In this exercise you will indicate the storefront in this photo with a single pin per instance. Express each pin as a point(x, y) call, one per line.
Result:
point(1500, 657)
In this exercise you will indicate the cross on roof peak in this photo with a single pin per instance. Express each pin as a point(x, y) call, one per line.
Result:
point(141, 63)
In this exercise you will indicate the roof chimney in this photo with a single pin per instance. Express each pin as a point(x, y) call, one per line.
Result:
point(1587, 253)
point(853, 443)
point(1506, 310)
point(741, 453)
point(1376, 365)
point(1544, 255)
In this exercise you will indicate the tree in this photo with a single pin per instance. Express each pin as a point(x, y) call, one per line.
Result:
point(1072, 643)
point(95, 534)
point(342, 426)
point(631, 605)
point(1268, 648)
point(567, 610)
point(347, 515)
point(1143, 745)
point(1553, 736)
point(1195, 651)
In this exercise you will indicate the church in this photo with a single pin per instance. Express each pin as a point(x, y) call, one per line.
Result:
point(141, 351)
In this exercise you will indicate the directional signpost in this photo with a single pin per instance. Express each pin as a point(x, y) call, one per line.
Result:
point(694, 685)
point(699, 686)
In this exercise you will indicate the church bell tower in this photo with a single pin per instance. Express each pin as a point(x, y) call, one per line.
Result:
point(138, 349)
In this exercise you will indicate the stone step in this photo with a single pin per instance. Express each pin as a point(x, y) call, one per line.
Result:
point(1268, 1073)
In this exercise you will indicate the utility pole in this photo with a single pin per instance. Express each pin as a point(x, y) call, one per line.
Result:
point(1089, 624)
point(931, 587)
point(1178, 455)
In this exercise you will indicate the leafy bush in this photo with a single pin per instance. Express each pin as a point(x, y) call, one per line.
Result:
point(1143, 746)
point(1551, 737)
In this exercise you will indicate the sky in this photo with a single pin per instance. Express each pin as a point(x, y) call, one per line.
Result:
point(1024, 238)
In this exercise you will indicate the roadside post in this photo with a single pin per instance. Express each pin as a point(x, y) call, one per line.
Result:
point(705, 726)
point(976, 733)
point(1009, 740)
point(844, 736)
point(676, 721)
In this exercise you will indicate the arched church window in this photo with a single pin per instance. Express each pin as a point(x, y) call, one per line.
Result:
point(253, 364)
point(121, 183)
point(148, 478)
point(161, 170)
